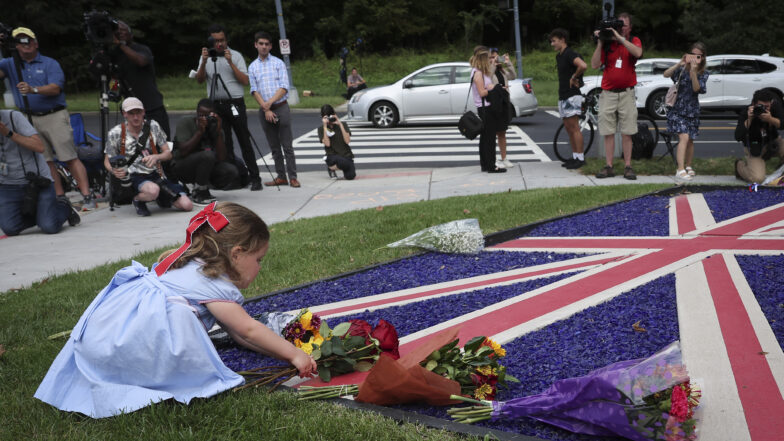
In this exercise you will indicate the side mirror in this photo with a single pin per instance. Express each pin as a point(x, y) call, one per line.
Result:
point(408, 84)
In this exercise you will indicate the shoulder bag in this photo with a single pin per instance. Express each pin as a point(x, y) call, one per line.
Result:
point(672, 92)
point(470, 125)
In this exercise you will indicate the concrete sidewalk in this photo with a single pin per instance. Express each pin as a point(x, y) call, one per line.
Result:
point(106, 236)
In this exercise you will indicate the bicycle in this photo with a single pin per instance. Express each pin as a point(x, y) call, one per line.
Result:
point(589, 121)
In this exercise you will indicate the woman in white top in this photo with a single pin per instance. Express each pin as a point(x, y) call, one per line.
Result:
point(481, 85)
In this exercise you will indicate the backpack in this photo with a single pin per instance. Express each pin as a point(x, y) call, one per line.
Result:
point(642, 143)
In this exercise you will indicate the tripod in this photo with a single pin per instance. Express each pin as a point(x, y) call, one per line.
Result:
point(214, 84)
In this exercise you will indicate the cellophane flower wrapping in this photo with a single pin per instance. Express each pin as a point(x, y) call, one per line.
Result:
point(462, 236)
point(632, 399)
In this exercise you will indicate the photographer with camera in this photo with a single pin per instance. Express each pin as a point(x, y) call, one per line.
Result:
point(135, 150)
point(200, 153)
point(27, 197)
point(336, 137)
point(42, 87)
point(618, 51)
point(136, 73)
point(758, 130)
point(226, 74)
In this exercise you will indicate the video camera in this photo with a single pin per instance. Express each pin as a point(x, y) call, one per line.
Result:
point(99, 28)
point(211, 51)
point(605, 34)
point(121, 162)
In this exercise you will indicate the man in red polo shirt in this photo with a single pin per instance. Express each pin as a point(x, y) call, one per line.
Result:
point(617, 103)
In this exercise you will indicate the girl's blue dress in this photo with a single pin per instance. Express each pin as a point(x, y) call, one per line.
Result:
point(142, 340)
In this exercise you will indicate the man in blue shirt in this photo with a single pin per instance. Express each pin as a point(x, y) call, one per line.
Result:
point(269, 85)
point(42, 83)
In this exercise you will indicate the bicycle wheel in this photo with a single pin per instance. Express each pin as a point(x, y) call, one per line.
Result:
point(562, 147)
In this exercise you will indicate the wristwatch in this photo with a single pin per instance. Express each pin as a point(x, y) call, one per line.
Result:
point(35, 90)
point(10, 134)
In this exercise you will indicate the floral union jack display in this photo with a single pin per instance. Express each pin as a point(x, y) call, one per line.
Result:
point(574, 295)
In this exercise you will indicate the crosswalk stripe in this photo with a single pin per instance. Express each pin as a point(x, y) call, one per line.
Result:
point(407, 145)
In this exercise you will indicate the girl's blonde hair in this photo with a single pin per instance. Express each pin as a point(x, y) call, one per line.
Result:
point(481, 60)
point(245, 230)
point(700, 46)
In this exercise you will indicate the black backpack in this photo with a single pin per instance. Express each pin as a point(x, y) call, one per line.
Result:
point(642, 143)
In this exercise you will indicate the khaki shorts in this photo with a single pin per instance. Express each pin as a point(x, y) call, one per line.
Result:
point(615, 107)
point(57, 135)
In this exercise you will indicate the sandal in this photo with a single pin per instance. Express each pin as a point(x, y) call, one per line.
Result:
point(690, 171)
point(682, 175)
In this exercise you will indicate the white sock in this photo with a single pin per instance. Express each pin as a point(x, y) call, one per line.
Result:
point(579, 156)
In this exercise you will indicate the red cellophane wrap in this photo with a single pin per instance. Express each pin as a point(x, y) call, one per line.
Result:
point(405, 381)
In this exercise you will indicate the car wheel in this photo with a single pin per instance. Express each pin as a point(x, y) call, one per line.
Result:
point(594, 95)
point(656, 107)
point(384, 115)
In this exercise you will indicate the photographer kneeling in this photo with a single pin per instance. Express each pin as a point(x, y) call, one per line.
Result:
point(758, 131)
point(135, 150)
point(336, 136)
point(27, 194)
point(200, 155)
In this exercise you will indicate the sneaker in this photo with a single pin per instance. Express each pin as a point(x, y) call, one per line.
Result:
point(141, 208)
point(574, 164)
point(508, 163)
point(500, 164)
point(89, 203)
point(332, 174)
point(73, 216)
point(567, 162)
point(690, 171)
point(256, 185)
point(607, 172)
point(202, 197)
point(497, 170)
point(628, 173)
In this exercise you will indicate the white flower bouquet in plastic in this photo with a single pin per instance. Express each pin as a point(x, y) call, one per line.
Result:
point(462, 236)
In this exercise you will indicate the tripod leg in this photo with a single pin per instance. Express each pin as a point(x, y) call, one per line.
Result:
point(258, 150)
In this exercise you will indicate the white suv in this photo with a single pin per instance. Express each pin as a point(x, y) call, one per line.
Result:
point(731, 84)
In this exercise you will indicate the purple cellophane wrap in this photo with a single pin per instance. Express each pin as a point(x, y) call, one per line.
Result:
point(607, 401)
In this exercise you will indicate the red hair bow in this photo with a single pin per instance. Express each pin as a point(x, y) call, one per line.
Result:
point(215, 219)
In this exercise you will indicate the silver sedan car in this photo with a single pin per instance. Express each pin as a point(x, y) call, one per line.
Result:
point(435, 93)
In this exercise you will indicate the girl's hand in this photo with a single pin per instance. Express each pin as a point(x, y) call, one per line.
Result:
point(305, 364)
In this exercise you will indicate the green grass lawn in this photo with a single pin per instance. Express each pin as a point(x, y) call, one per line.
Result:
point(324, 246)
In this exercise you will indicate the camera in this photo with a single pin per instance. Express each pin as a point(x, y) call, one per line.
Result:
point(333, 118)
point(99, 27)
point(35, 183)
point(758, 109)
point(211, 51)
point(121, 162)
point(605, 34)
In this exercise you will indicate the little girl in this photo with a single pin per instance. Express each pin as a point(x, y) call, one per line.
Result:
point(144, 337)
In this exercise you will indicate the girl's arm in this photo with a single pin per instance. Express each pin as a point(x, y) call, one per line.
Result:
point(255, 336)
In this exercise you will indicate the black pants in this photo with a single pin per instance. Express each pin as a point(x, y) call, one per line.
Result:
point(346, 165)
point(240, 125)
point(203, 168)
point(352, 90)
point(160, 116)
point(487, 140)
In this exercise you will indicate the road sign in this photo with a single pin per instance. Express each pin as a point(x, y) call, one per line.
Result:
point(285, 48)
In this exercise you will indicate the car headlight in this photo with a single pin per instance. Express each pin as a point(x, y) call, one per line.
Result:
point(357, 96)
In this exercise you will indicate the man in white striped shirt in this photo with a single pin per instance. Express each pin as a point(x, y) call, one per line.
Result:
point(269, 85)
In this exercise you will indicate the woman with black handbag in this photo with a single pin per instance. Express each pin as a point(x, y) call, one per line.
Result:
point(683, 117)
point(481, 78)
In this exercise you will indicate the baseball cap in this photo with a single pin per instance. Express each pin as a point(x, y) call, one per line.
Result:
point(25, 31)
point(132, 103)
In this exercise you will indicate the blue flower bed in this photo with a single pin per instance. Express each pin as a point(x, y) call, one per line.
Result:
point(588, 340)
point(726, 204)
point(645, 216)
point(425, 269)
point(765, 275)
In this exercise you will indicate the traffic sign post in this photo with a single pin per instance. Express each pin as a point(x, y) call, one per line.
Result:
point(285, 47)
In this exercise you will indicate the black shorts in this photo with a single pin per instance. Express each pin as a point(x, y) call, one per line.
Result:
point(169, 193)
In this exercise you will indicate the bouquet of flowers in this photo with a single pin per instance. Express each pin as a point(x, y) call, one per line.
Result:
point(643, 400)
point(475, 366)
point(349, 346)
point(461, 236)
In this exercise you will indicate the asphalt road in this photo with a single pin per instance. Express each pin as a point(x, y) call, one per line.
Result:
point(716, 139)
